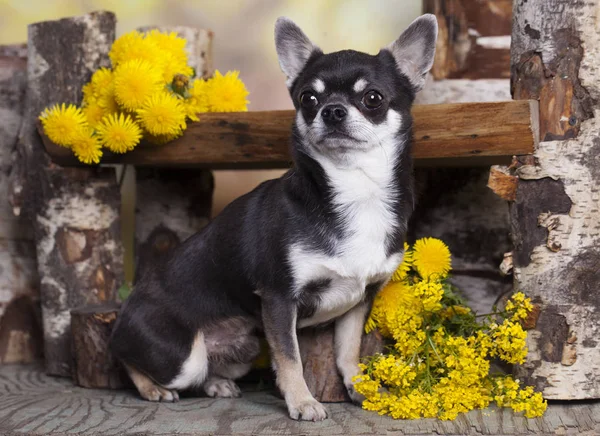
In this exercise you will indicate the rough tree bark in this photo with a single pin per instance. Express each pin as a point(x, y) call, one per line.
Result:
point(20, 317)
point(555, 58)
point(75, 212)
point(94, 366)
point(173, 204)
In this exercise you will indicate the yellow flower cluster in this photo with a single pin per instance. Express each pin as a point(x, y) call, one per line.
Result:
point(150, 93)
point(439, 365)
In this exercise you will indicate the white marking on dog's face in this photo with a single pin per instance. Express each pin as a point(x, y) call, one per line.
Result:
point(195, 368)
point(363, 137)
point(318, 85)
point(360, 85)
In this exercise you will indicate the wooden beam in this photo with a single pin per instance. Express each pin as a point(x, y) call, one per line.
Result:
point(260, 139)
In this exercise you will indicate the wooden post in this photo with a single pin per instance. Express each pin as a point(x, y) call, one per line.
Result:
point(75, 211)
point(318, 360)
point(94, 366)
point(20, 318)
point(555, 57)
point(173, 204)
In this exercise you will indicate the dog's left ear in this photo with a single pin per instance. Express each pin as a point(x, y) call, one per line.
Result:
point(414, 50)
point(293, 48)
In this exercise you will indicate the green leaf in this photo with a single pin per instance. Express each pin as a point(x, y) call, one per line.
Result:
point(124, 291)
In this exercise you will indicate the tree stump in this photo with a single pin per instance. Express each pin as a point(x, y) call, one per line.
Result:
point(318, 359)
point(173, 204)
point(93, 364)
point(75, 211)
point(555, 217)
point(20, 317)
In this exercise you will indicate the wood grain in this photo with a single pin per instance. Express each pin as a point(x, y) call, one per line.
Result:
point(261, 139)
point(93, 364)
point(34, 404)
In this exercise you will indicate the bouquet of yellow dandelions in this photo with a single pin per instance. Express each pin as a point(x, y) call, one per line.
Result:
point(149, 93)
point(439, 364)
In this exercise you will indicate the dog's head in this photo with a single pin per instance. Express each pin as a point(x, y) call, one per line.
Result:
point(353, 101)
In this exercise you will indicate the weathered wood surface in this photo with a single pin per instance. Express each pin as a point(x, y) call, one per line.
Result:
point(93, 363)
point(20, 317)
point(556, 214)
point(318, 361)
point(34, 404)
point(173, 204)
point(473, 40)
point(260, 139)
point(75, 211)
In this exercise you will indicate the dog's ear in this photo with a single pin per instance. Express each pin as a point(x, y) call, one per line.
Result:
point(293, 48)
point(414, 50)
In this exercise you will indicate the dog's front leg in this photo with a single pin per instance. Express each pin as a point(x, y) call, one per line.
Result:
point(279, 318)
point(348, 335)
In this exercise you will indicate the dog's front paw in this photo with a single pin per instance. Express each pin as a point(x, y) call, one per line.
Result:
point(356, 397)
point(221, 387)
point(157, 393)
point(310, 410)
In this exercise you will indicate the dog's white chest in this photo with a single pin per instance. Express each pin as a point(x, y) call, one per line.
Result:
point(364, 203)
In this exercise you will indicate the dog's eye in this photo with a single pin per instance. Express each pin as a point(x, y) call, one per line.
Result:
point(372, 99)
point(308, 100)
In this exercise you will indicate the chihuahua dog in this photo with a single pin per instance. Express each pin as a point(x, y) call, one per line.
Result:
point(312, 247)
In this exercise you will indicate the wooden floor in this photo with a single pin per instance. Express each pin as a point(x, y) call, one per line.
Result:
point(33, 403)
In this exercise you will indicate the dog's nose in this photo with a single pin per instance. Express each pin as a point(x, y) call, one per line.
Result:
point(333, 113)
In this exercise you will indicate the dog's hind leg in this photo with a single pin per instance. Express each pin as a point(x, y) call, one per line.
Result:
point(231, 348)
point(220, 380)
point(148, 389)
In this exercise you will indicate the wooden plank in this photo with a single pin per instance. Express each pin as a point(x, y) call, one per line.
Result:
point(33, 403)
point(261, 139)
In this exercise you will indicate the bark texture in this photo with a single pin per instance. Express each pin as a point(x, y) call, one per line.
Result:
point(556, 214)
point(173, 204)
point(318, 360)
point(20, 317)
point(94, 366)
point(75, 211)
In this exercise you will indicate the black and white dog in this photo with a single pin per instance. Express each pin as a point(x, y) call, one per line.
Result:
point(311, 247)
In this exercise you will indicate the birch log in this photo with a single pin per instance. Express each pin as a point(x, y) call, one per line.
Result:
point(173, 204)
point(555, 58)
point(75, 211)
point(20, 318)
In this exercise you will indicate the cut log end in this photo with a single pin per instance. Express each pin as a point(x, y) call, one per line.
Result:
point(94, 366)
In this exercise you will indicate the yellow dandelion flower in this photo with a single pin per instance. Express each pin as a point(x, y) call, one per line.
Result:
point(196, 102)
point(62, 123)
point(393, 296)
point(102, 82)
point(93, 113)
point(119, 133)
point(403, 269)
point(135, 81)
point(169, 42)
point(88, 94)
point(431, 257)
point(86, 147)
point(162, 114)
point(108, 103)
point(226, 93)
point(171, 65)
point(133, 46)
